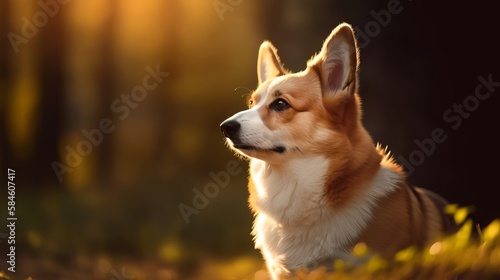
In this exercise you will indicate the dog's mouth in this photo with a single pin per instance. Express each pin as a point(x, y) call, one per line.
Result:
point(277, 149)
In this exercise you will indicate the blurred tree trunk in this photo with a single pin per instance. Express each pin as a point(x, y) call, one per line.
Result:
point(168, 113)
point(22, 90)
point(4, 82)
point(51, 46)
point(5, 49)
point(90, 85)
point(107, 83)
point(145, 39)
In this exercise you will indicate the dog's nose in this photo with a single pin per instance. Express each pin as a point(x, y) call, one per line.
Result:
point(230, 128)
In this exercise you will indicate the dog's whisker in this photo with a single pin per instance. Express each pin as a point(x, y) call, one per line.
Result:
point(300, 151)
point(245, 94)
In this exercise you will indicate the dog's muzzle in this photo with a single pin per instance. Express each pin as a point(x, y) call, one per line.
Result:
point(231, 129)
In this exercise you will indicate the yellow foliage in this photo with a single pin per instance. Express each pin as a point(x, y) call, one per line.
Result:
point(34, 239)
point(456, 255)
point(405, 255)
point(360, 250)
point(491, 232)
point(170, 252)
point(22, 109)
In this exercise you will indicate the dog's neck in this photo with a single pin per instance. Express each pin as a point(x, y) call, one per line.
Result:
point(297, 189)
point(289, 191)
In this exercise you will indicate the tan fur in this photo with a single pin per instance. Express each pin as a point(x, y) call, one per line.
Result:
point(400, 221)
point(324, 121)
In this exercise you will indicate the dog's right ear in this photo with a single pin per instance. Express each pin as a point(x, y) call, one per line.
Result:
point(338, 62)
point(268, 63)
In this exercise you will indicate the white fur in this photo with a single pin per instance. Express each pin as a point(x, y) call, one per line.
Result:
point(294, 227)
point(253, 129)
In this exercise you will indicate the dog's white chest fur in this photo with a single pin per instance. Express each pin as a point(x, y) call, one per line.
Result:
point(294, 227)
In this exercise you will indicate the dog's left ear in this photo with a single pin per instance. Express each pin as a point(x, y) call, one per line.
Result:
point(268, 63)
point(337, 63)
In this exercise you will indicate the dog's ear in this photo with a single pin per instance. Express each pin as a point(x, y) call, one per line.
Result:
point(268, 63)
point(338, 61)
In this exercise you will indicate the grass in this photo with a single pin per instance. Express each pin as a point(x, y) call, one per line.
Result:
point(470, 253)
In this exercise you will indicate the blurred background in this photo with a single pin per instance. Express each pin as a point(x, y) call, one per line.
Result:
point(110, 114)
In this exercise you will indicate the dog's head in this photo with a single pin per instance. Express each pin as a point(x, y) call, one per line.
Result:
point(315, 111)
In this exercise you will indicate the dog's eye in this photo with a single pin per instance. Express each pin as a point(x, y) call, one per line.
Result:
point(250, 103)
point(279, 105)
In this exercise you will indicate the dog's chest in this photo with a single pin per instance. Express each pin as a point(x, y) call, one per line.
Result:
point(294, 225)
point(289, 206)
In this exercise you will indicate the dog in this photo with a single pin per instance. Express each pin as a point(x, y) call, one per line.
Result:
point(318, 184)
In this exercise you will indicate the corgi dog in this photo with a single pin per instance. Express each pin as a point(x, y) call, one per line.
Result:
point(318, 184)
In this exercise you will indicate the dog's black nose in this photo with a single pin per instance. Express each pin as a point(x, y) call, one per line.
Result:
point(230, 128)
